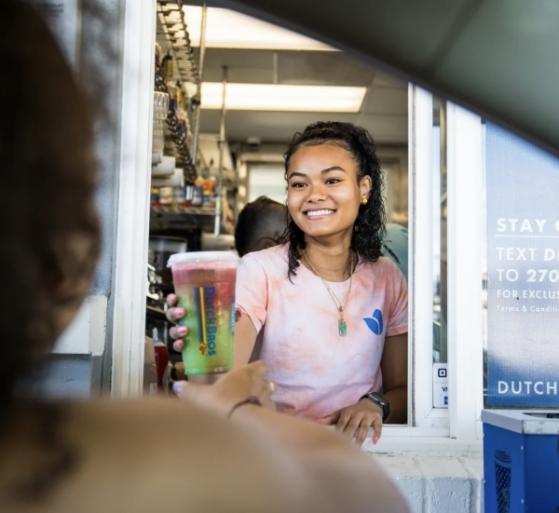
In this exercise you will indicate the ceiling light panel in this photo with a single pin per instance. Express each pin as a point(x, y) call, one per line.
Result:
point(229, 29)
point(290, 98)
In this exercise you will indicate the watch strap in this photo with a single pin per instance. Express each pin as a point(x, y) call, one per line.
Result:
point(376, 398)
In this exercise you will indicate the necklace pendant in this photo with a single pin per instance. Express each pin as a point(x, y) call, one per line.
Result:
point(342, 328)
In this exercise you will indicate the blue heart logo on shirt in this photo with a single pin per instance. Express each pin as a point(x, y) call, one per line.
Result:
point(376, 322)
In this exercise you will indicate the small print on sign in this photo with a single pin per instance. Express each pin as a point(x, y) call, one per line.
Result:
point(440, 385)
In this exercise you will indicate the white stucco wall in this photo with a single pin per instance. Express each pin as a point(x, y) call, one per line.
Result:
point(437, 483)
point(437, 475)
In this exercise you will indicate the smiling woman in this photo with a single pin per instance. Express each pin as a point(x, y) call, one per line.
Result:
point(329, 310)
point(332, 313)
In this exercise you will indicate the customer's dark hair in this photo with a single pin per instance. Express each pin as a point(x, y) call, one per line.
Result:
point(368, 230)
point(50, 229)
point(259, 225)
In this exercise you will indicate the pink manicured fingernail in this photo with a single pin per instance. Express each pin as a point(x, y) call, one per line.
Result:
point(178, 345)
point(181, 330)
point(179, 312)
point(375, 440)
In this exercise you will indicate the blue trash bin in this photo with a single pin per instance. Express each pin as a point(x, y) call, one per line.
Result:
point(521, 461)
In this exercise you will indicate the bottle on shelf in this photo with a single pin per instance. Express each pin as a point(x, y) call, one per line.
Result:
point(161, 361)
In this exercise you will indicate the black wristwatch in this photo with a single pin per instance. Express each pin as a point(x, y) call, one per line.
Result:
point(381, 401)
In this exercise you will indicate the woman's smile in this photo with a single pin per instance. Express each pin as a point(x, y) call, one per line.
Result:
point(319, 214)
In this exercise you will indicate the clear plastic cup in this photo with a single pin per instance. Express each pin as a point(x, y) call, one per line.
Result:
point(205, 286)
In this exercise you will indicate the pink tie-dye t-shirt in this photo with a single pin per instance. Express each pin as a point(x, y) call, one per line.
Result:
point(317, 372)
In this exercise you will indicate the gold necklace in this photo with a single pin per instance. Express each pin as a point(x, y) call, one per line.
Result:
point(340, 306)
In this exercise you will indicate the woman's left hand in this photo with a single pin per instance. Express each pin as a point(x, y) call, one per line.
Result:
point(354, 421)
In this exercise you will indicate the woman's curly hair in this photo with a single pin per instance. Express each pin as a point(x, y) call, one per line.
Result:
point(368, 229)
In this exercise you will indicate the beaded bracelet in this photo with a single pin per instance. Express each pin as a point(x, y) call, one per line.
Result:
point(251, 399)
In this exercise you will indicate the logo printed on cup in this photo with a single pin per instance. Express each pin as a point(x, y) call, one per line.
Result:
point(205, 286)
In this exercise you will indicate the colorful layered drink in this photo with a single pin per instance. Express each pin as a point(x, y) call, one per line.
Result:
point(205, 285)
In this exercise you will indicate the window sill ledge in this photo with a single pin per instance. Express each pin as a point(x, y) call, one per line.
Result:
point(398, 444)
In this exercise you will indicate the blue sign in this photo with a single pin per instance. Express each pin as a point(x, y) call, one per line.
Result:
point(523, 272)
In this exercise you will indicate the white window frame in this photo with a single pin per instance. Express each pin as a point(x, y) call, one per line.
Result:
point(420, 143)
point(460, 422)
point(466, 193)
point(132, 230)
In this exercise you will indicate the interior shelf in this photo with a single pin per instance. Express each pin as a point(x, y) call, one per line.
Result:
point(191, 211)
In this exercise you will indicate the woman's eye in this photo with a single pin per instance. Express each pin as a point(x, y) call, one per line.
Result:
point(332, 181)
point(297, 185)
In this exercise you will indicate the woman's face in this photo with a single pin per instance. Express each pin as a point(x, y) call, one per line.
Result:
point(323, 190)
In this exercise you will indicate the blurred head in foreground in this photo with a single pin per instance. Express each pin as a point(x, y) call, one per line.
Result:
point(50, 233)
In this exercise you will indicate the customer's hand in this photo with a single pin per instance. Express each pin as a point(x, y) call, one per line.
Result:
point(175, 314)
point(355, 421)
point(231, 388)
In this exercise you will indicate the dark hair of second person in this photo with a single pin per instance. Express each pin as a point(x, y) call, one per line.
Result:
point(260, 225)
point(369, 226)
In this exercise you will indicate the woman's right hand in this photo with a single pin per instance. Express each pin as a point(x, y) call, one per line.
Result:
point(245, 333)
point(175, 314)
